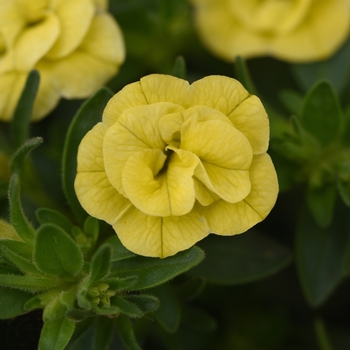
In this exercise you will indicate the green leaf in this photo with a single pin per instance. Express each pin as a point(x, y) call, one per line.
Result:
point(292, 100)
point(7, 232)
point(91, 229)
point(119, 252)
point(321, 203)
point(88, 115)
point(126, 333)
point(168, 314)
point(243, 75)
point(12, 302)
point(49, 216)
point(179, 69)
point(18, 158)
point(20, 248)
point(100, 263)
point(18, 219)
point(116, 283)
point(23, 264)
point(322, 255)
point(240, 259)
point(126, 307)
point(79, 314)
point(28, 283)
point(21, 119)
point(321, 114)
point(146, 303)
point(154, 271)
point(55, 335)
point(55, 252)
point(54, 310)
point(104, 333)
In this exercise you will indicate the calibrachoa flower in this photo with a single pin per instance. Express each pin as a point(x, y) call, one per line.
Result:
point(74, 44)
point(172, 162)
point(293, 30)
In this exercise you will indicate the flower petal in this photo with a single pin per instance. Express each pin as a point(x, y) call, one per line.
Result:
point(135, 130)
point(164, 88)
point(218, 92)
point(225, 154)
point(251, 119)
point(157, 191)
point(229, 219)
point(95, 193)
point(75, 17)
point(160, 237)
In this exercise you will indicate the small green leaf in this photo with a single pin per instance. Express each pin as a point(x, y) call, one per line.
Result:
point(12, 302)
point(20, 248)
point(23, 264)
point(91, 228)
point(21, 119)
point(49, 216)
point(243, 75)
point(104, 333)
point(116, 283)
point(321, 114)
point(18, 219)
point(8, 232)
point(240, 259)
point(54, 310)
point(322, 255)
point(154, 271)
point(18, 158)
point(168, 314)
point(321, 203)
point(292, 100)
point(179, 69)
point(126, 333)
point(28, 283)
point(119, 251)
point(88, 115)
point(146, 303)
point(126, 307)
point(55, 252)
point(55, 335)
point(79, 314)
point(100, 263)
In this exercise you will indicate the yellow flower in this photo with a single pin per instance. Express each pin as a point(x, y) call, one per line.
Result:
point(172, 162)
point(74, 44)
point(292, 30)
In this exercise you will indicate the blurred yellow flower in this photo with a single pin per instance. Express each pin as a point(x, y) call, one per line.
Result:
point(292, 30)
point(74, 44)
point(172, 162)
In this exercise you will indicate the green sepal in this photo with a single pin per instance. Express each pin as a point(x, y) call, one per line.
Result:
point(126, 307)
point(321, 114)
point(18, 158)
point(104, 333)
point(55, 252)
point(292, 100)
point(126, 333)
point(88, 116)
point(179, 68)
point(50, 216)
point(116, 283)
point(28, 283)
point(20, 248)
point(25, 265)
point(55, 335)
point(100, 263)
point(168, 315)
point(21, 119)
point(322, 254)
point(18, 219)
point(155, 271)
point(146, 303)
point(12, 302)
point(320, 202)
point(119, 251)
point(243, 75)
point(226, 258)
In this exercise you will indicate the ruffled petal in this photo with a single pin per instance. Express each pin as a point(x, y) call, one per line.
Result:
point(75, 18)
point(250, 118)
point(229, 219)
point(157, 191)
point(218, 92)
point(160, 237)
point(135, 130)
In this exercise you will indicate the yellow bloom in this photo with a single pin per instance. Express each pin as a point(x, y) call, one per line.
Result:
point(172, 162)
point(74, 44)
point(293, 30)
